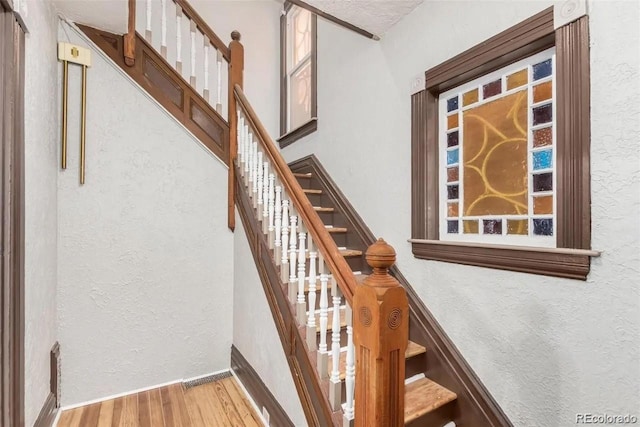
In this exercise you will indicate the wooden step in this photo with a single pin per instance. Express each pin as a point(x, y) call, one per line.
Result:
point(322, 209)
point(343, 321)
point(424, 396)
point(311, 191)
point(302, 175)
point(413, 349)
point(332, 229)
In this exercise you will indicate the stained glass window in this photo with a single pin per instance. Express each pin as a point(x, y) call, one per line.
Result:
point(298, 67)
point(497, 145)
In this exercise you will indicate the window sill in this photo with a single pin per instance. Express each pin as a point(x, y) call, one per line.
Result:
point(298, 133)
point(560, 262)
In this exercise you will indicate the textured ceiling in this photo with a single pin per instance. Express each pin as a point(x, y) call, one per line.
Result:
point(375, 16)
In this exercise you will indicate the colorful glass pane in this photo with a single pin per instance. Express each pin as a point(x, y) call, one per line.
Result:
point(496, 157)
point(542, 159)
point(452, 192)
point(470, 226)
point(542, 70)
point(452, 174)
point(518, 79)
point(543, 205)
point(543, 226)
point(452, 121)
point(452, 156)
point(492, 226)
point(543, 182)
point(452, 227)
point(543, 91)
point(542, 114)
point(452, 104)
point(542, 137)
point(452, 139)
point(470, 97)
point(452, 210)
point(492, 89)
point(518, 226)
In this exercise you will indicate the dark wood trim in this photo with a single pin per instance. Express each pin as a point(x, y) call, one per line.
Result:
point(334, 19)
point(165, 85)
point(446, 365)
point(298, 133)
point(289, 137)
point(48, 412)
point(257, 389)
point(54, 373)
point(12, 86)
point(314, 403)
point(573, 134)
point(527, 38)
point(573, 146)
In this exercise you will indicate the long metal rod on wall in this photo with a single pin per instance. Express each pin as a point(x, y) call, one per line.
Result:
point(69, 53)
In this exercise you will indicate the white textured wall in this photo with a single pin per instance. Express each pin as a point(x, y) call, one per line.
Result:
point(145, 276)
point(254, 331)
point(546, 348)
point(41, 218)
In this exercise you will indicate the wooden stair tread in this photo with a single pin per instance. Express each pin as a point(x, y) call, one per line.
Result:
point(302, 175)
point(413, 349)
point(424, 396)
point(322, 209)
point(336, 229)
point(311, 191)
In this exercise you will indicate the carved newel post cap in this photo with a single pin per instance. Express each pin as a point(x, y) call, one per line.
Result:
point(380, 255)
point(235, 35)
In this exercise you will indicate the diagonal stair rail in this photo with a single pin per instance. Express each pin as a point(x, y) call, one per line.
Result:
point(306, 253)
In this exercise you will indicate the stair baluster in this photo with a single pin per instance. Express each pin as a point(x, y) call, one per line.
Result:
point(219, 100)
point(311, 295)
point(271, 207)
point(147, 32)
point(350, 372)
point(284, 262)
point(207, 45)
point(240, 139)
point(192, 78)
point(265, 199)
point(302, 261)
point(260, 183)
point(335, 386)
point(163, 31)
point(292, 258)
point(179, 39)
point(247, 165)
point(278, 226)
point(323, 354)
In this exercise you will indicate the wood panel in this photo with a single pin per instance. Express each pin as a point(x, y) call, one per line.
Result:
point(220, 403)
point(165, 85)
point(445, 363)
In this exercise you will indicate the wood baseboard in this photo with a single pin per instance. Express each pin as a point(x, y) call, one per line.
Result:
point(257, 389)
point(47, 413)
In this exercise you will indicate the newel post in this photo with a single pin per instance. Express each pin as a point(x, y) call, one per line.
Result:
point(381, 334)
point(130, 36)
point(236, 71)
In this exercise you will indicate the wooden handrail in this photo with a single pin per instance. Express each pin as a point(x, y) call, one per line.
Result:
point(130, 37)
point(341, 271)
point(204, 28)
point(236, 77)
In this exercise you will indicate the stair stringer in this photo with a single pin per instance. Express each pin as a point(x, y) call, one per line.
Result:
point(475, 407)
point(303, 369)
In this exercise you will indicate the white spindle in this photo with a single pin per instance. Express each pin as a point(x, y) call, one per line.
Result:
point(259, 181)
point(302, 261)
point(271, 207)
point(147, 32)
point(206, 68)
point(163, 33)
point(284, 262)
point(247, 165)
point(311, 295)
point(292, 254)
point(179, 39)
point(219, 102)
point(323, 354)
point(335, 389)
point(247, 143)
point(240, 136)
point(192, 79)
point(350, 371)
point(254, 175)
point(277, 225)
point(265, 201)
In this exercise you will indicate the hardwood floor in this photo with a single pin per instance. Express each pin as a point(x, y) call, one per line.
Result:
point(220, 403)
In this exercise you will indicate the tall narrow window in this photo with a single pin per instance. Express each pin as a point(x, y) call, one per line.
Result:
point(298, 69)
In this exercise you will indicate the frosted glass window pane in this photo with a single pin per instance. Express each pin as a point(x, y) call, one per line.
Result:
point(301, 35)
point(300, 97)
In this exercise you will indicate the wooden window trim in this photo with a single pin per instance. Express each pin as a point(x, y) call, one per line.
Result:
point(288, 137)
point(573, 149)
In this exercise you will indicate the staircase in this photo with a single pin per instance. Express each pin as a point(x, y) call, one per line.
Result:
point(343, 312)
point(426, 402)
